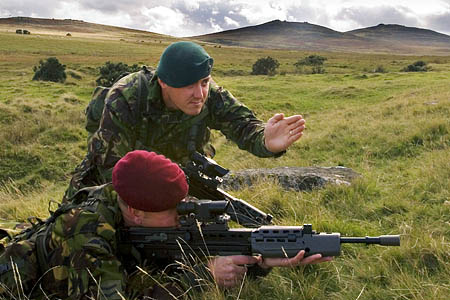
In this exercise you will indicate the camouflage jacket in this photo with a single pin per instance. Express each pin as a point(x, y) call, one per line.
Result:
point(79, 257)
point(128, 124)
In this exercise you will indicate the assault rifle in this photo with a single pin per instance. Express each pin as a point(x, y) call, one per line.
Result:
point(204, 231)
point(204, 176)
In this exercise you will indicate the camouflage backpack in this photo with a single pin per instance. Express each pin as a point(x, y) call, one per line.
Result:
point(94, 110)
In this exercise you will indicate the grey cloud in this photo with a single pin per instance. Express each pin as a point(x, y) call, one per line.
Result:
point(307, 13)
point(133, 6)
point(440, 23)
point(198, 19)
point(373, 16)
point(14, 8)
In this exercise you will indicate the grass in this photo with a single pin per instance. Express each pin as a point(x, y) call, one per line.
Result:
point(393, 128)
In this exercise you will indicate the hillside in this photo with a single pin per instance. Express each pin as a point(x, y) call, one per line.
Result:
point(394, 32)
point(394, 39)
point(389, 39)
point(76, 28)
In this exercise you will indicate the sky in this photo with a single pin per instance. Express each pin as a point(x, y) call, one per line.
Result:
point(184, 18)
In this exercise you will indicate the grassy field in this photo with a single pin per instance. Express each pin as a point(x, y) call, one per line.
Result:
point(393, 128)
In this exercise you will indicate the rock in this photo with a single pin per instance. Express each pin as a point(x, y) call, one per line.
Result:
point(291, 178)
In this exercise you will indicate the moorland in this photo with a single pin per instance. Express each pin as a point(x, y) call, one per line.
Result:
point(392, 127)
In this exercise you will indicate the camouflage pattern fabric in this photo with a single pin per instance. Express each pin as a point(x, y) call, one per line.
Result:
point(128, 124)
point(81, 258)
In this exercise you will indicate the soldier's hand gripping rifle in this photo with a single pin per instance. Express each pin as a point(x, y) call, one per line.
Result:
point(204, 231)
point(204, 175)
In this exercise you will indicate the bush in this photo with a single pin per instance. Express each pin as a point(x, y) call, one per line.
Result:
point(265, 66)
point(50, 70)
point(315, 61)
point(110, 72)
point(418, 66)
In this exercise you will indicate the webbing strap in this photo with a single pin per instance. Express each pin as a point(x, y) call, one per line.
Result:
point(41, 249)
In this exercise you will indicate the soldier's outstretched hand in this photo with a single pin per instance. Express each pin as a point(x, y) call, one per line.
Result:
point(281, 132)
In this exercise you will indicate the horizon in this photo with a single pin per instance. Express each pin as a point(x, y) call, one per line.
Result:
point(81, 20)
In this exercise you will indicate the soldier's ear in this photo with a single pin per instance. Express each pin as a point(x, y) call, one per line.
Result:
point(162, 84)
point(136, 215)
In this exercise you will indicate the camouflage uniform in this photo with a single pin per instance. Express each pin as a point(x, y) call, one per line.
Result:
point(77, 256)
point(129, 124)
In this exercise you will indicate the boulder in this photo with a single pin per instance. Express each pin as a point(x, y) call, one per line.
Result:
point(291, 178)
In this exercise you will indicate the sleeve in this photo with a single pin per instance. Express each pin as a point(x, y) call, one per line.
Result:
point(82, 258)
point(117, 132)
point(85, 266)
point(104, 276)
point(238, 123)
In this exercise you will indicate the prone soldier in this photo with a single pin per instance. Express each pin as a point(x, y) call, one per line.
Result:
point(75, 254)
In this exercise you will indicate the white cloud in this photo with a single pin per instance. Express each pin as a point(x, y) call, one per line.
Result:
point(163, 19)
point(263, 11)
point(231, 22)
point(73, 10)
point(216, 27)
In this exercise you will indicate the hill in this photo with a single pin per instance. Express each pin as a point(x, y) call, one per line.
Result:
point(76, 28)
point(390, 39)
point(394, 39)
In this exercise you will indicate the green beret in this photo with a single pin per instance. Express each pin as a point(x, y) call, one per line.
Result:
point(184, 63)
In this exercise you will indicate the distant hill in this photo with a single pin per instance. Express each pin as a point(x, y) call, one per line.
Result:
point(395, 39)
point(75, 28)
point(305, 36)
point(393, 32)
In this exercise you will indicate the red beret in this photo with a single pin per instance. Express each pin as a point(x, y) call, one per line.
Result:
point(148, 181)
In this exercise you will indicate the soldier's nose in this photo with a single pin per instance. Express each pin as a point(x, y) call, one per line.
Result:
point(198, 91)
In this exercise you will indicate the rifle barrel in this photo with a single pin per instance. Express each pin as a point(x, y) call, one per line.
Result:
point(385, 240)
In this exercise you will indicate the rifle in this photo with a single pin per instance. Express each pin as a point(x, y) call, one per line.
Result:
point(204, 231)
point(204, 175)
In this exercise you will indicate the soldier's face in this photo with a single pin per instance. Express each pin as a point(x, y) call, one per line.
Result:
point(166, 218)
point(189, 99)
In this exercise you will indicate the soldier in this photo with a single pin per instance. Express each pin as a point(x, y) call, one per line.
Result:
point(76, 254)
point(173, 114)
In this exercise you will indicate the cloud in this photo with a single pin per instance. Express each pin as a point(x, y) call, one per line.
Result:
point(305, 12)
point(14, 8)
point(210, 16)
point(195, 17)
point(231, 22)
point(163, 19)
point(440, 22)
point(353, 17)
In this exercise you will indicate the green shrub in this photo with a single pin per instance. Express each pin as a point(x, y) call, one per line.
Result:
point(418, 66)
point(265, 66)
point(315, 61)
point(111, 72)
point(50, 70)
